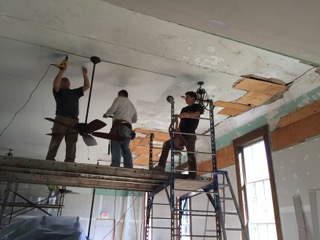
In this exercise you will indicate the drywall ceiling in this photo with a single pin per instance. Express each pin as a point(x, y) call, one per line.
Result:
point(287, 27)
point(152, 49)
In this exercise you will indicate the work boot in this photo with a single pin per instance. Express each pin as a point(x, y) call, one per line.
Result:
point(192, 175)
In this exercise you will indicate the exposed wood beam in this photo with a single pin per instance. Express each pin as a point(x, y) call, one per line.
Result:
point(299, 114)
point(296, 132)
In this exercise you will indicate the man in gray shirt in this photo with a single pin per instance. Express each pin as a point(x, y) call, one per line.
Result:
point(124, 114)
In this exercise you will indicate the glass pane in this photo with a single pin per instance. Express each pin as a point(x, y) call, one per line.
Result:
point(269, 202)
point(255, 160)
point(253, 231)
point(258, 193)
point(263, 232)
point(261, 202)
point(185, 220)
point(272, 231)
point(252, 202)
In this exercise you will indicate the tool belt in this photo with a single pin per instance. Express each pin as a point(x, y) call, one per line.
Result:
point(117, 128)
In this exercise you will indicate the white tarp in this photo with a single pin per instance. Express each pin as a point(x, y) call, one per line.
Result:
point(45, 227)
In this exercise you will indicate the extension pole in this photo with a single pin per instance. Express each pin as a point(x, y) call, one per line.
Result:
point(91, 211)
point(94, 60)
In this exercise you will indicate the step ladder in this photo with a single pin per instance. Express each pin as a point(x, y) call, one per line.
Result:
point(224, 204)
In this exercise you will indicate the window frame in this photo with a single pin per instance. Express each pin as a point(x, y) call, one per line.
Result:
point(261, 133)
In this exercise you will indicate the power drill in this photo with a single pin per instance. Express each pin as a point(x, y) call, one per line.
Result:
point(63, 64)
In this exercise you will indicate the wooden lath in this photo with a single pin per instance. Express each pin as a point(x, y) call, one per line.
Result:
point(143, 160)
point(260, 91)
point(140, 145)
point(232, 108)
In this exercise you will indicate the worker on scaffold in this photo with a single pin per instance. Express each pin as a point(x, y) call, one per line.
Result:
point(189, 121)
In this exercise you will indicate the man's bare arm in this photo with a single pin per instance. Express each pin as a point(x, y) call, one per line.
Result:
point(57, 79)
point(86, 84)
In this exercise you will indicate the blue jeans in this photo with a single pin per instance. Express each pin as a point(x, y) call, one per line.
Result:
point(119, 149)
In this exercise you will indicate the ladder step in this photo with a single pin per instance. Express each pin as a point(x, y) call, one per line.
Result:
point(150, 227)
point(195, 236)
point(202, 215)
point(193, 212)
point(160, 218)
point(223, 185)
point(226, 198)
point(234, 229)
point(161, 204)
point(230, 213)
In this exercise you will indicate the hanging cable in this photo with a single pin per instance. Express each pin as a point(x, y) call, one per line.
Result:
point(25, 104)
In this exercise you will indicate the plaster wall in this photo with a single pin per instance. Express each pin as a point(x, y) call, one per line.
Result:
point(296, 172)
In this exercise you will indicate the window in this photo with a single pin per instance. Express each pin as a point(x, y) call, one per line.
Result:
point(185, 220)
point(256, 186)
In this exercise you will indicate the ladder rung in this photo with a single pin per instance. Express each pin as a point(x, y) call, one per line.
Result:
point(223, 185)
point(187, 190)
point(159, 227)
point(230, 213)
point(159, 218)
point(161, 204)
point(190, 212)
point(195, 236)
point(208, 153)
point(201, 215)
point(226, 198)
point(233, 229)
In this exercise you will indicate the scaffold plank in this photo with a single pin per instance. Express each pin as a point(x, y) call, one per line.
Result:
point(25, 170)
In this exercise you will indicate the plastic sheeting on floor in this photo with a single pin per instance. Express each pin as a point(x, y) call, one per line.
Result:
point(46, 228)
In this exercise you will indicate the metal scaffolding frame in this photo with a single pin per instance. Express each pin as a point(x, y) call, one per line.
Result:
point(15, 170)
point(14, 204)
point(217, 188)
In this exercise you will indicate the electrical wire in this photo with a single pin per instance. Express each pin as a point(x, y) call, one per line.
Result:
point(25, 104)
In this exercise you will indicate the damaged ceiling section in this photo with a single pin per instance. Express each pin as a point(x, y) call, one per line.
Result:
point(259, 91)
